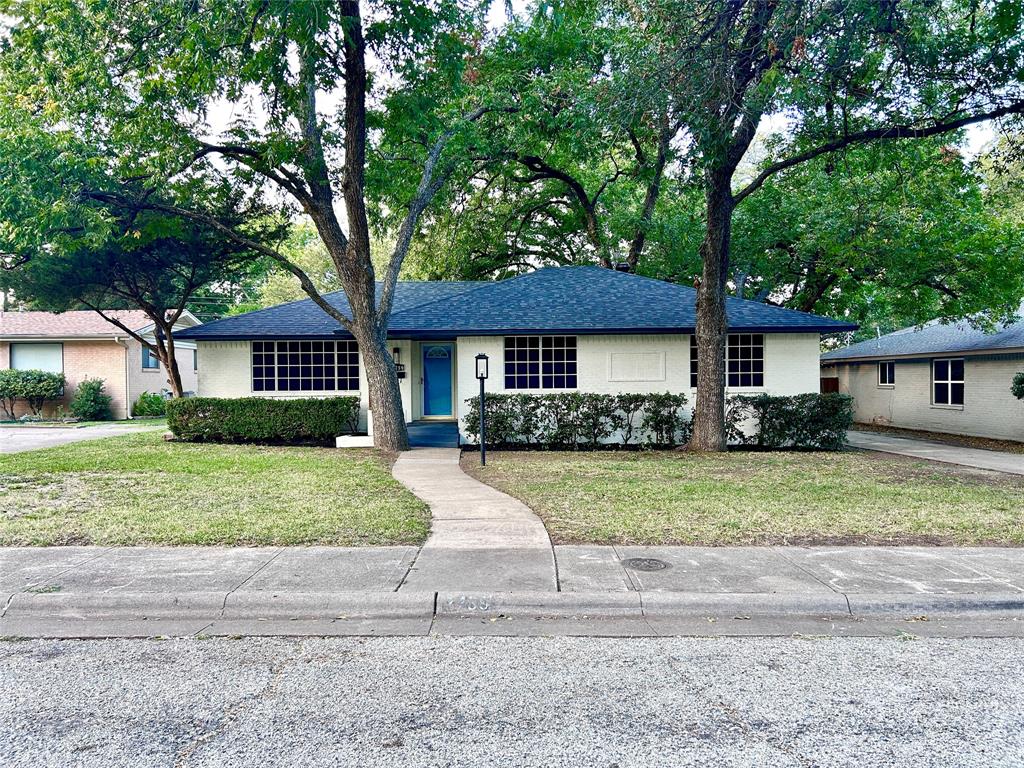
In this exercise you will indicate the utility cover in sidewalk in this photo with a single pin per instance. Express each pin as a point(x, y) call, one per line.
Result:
point(645, 564)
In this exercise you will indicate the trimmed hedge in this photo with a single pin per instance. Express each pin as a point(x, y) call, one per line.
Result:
point(262, 420)
point(581, 420)
point(34, 387)
point(810, 421)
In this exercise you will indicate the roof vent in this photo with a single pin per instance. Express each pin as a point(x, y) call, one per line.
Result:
point(623, 266)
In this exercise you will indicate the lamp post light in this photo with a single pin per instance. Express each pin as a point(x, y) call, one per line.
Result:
point(481, 374)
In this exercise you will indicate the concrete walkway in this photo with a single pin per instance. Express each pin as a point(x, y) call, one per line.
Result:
point(629, 591)
point(480, 538)
point(19, 439)
point(998, 461)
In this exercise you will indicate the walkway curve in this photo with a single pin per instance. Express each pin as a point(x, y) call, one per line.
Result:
point(480, 538)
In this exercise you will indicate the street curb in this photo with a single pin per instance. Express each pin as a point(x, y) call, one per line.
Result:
point(79, 614)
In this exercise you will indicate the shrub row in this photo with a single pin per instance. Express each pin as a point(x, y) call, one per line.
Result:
point(262, 420)
point(34, 387)
point(586, 420)
point(149, 405)
point(579, 420)
point(809, 421)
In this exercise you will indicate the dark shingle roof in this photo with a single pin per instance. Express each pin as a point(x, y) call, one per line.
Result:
point(557, 299)
point(934, 339)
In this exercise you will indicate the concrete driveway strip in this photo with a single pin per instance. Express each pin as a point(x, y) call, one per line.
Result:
point(20, 439)
point(997, 461)
point(481, 539)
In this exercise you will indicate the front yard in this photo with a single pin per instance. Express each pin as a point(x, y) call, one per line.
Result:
point(758, 498)
point(139, 489)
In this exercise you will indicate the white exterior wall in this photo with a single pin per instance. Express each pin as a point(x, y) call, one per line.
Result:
point(225, 370)
point(989, 409)
point(605, 364)
point(659, 363)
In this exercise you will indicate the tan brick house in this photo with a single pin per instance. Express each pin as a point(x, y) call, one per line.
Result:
point(941, 377)
point(81, 344)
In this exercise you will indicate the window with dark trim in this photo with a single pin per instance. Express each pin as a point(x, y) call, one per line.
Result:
point(540, 362)
point(744, 360)
point(948, 382)
point(305, 366)
point(150, 362)
point(887, 373)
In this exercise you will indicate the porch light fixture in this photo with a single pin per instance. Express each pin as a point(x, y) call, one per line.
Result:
point(481, 374)
point(396, 353)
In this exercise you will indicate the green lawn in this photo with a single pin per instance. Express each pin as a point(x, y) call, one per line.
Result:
point(139, 489)
point(758, 498)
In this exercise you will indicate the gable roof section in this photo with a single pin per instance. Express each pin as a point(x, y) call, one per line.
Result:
point(576, 300)
point(68, 325)
point(934, 339)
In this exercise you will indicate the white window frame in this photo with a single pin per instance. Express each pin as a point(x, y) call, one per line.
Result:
point(146, 351)
point(347, 347)
point(892, 381)
point(16, 344)
point(558, 343)
point(949, 381)
point(734, 341)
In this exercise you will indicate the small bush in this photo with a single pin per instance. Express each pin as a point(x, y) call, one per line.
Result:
point(89, 402)
point(1017, 387)
point(150, 406)
point(809, 421)
point(38, 387)
point(262, 420)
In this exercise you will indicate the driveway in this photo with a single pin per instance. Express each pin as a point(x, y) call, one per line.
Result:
point(997, 461)
point(18, 439)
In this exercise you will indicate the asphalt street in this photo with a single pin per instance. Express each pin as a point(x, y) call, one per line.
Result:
point(445, 701)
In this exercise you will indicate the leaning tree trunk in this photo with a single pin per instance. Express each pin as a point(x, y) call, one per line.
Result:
point(389, 430)
point(712, 324)
point(166, 350)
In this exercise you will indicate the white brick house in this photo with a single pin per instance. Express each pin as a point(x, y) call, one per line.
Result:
point(560, 329)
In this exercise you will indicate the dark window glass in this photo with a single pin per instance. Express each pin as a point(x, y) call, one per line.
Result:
point(744, 360)
point(948, 382)
point(149, 360)
point(305, 366)
point(887, 373)
point(540, 362)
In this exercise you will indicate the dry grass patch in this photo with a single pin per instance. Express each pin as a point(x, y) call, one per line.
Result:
point(139, 489)
point(758, 498)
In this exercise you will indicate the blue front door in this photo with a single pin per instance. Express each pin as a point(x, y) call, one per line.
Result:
point(437, 379)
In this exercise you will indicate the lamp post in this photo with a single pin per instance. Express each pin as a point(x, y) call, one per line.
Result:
point(481, 374)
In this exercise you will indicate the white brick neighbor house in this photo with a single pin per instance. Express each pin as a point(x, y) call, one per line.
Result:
point(942, 377)
point(581, 329)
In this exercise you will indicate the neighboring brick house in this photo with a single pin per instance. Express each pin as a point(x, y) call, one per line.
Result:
point(942, 377)
point(81, 344)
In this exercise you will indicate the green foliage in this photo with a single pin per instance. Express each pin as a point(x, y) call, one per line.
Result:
point(585, 421)
point(9, 390)
point(37, 388)
point(89, 402)
point(1017, 387)
point(580, 420)
point(809, 421)
point(150, 405)
point(262, 420)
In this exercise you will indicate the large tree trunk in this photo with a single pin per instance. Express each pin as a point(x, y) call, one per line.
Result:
point(712, 324)
point(389, 430)
point(167, 354)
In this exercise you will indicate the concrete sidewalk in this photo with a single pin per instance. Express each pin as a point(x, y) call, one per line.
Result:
point(145, 592)
point(997, 461)
point(480, 538)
